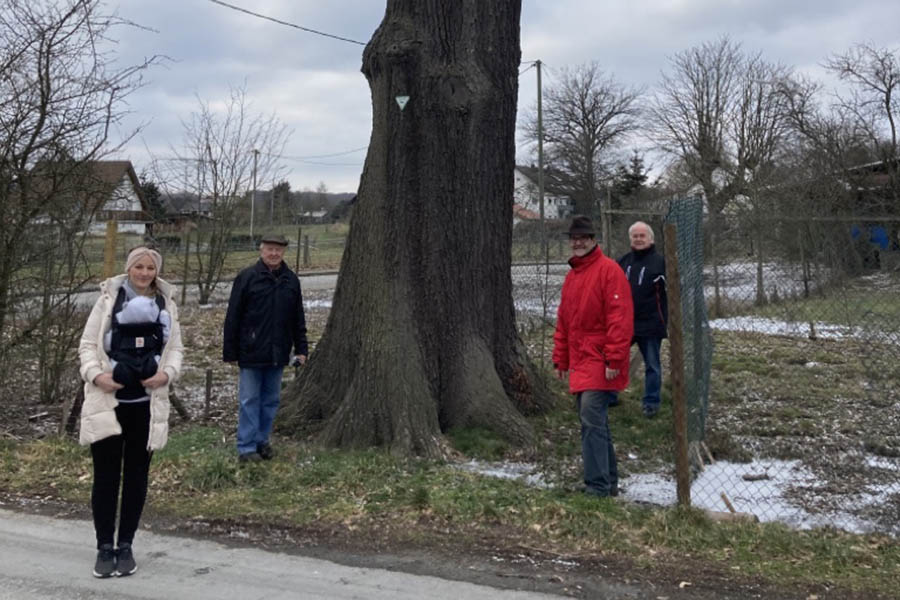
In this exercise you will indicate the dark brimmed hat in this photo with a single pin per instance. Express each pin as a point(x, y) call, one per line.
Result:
point(274, 238)
point(581, 226)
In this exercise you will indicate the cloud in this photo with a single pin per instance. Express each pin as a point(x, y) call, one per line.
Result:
point(315, 86)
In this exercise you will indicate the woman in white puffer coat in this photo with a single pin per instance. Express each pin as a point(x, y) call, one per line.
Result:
point(124, 421)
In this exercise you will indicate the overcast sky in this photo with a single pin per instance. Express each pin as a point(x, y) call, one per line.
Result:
point(315, 86)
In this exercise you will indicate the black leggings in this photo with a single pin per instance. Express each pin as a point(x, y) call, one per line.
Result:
point(113, 456)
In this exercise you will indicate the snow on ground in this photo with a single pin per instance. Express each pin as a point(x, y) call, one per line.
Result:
point(737, 280)
point(525, 472)
point(766, 498)
point(767, 326)
point(788, 328)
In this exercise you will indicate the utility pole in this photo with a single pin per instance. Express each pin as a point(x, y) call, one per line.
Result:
point(545, 248)
point(253, 194)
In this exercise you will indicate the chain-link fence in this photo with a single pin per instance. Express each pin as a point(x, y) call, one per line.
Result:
point(803, 423)
point(795, 415)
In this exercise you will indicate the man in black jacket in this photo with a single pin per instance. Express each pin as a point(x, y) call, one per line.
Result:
point(264, 320)
point(646, 272)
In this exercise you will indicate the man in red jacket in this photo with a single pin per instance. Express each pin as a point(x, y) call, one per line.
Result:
point(594, 326)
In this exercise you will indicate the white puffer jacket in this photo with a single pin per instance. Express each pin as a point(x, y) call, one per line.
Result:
point(98, 416)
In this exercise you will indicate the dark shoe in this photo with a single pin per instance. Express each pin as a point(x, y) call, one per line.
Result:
point(265, 451)
point(650, 411)
point(125, 564)
point(106, 562)
point(250, 457)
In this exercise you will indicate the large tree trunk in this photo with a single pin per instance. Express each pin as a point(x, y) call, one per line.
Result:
point(421, 337)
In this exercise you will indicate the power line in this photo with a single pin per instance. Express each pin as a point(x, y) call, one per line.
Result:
point(280, 22)
point(344, 153)
point(327, 164)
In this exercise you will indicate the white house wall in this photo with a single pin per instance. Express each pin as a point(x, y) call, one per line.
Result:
point(124, 198)
point(526, 195)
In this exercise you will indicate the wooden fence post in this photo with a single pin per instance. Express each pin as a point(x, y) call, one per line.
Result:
point(305, 250)
point(208, 398)
point(676, 368)
point(299, 231)
point(109, 249)
point(186, 240)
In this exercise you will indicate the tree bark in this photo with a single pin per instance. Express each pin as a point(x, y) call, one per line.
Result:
point(421, 337)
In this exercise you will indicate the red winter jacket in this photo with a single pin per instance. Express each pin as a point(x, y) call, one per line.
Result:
point(594, 324)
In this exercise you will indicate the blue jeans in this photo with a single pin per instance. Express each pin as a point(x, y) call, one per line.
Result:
point(259, 392)
point(601, 476)
point(649, 347)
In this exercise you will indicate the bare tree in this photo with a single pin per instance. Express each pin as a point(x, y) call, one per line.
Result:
point(719, 114)
point(587, 114)
point(873, 104)
point(422, 335)
point(216, 165)
point(760, 124)
point(61, 94)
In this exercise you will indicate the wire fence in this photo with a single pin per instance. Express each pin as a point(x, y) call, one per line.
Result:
point(804, 415)
point(791, 332)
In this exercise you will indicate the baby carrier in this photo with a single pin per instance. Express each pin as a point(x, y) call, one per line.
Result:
point(135, 347)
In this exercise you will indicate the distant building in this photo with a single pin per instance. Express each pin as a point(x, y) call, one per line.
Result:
point(124, 202)
point(557, 204)
point(96, 191)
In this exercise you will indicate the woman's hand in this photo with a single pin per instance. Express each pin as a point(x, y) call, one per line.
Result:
point(158, 380)
point(105, 382)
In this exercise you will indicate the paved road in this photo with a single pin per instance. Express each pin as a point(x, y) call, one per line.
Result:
point(51, 559)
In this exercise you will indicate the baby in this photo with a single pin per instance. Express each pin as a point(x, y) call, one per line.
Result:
point(135, 341)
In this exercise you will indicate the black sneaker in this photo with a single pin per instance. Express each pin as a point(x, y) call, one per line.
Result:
point(106, 562)
point(650, 411)
point(249, 457)
point(125, 564)
point(265, 451)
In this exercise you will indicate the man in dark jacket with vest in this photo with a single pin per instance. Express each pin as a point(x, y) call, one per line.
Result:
point(646, 272)
point(264, 320)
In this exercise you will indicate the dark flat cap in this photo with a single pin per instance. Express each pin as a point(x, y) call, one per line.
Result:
point(274, 238)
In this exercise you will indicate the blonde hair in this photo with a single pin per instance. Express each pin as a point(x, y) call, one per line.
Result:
point(138, 253)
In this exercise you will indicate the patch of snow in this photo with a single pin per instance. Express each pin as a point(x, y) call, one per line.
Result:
point(881, 462)
point(737, 280)
point(796, 328)
point(767, 498)
point(317, 304)
point(525, 472)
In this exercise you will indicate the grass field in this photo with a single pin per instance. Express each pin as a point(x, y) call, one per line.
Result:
point(765, 401)
point(830, 404)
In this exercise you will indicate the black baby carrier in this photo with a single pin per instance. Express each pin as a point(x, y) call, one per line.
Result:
point(134, 347)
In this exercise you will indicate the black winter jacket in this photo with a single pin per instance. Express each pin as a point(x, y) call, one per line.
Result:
point(265, 318)
point(646, 272)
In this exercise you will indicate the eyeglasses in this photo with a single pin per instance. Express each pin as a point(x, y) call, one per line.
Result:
point(580, 238)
